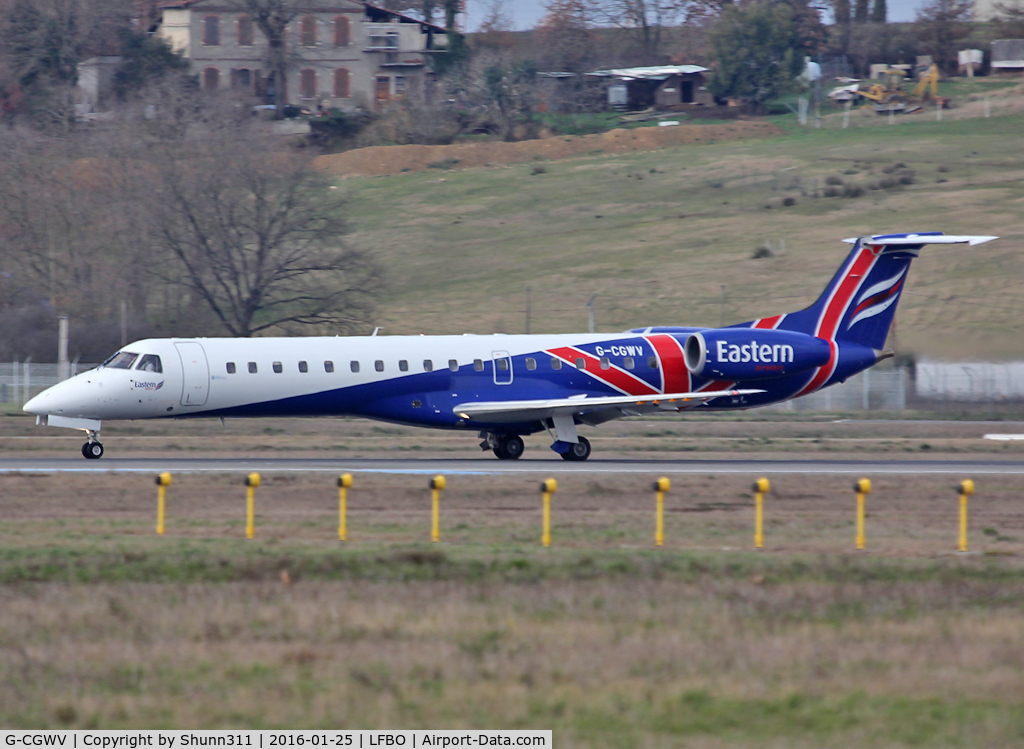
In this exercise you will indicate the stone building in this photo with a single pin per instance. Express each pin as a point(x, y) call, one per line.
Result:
point(343, 53)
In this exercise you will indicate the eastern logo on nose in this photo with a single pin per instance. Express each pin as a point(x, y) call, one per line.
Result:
point(149, 385)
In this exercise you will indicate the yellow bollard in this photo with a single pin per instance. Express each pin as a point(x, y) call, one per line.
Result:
point(163, 480)
point(661, 486)
point(760, 488)
point(862, 487)
point(437, 484)
point(966, 490)
point(344, 482)
point(251, 482)
point(547, 488)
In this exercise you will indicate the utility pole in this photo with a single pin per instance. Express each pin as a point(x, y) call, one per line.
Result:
point(527, 310)
point(590, 311)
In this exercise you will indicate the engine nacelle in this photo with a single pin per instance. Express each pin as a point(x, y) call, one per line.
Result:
point(752, 354)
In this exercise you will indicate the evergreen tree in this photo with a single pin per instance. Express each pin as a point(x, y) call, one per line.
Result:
point(879, 12)
point(860, 11)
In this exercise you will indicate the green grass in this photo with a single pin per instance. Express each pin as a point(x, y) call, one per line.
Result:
point(656, 234)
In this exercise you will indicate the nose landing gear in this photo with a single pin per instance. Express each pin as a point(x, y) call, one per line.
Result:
point(93, 449)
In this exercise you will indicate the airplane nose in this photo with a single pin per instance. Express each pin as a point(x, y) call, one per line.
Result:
point(38, 405)
point(53, 400)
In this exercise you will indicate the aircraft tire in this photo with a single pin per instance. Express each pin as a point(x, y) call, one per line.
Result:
point(510, 447)
point(578, 451)
point(92, 450)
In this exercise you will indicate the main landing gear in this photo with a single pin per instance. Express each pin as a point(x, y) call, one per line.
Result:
point(505, 446)
point(577, 450)
point(93, 449)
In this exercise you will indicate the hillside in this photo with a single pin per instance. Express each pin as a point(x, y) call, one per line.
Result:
point(657, 234)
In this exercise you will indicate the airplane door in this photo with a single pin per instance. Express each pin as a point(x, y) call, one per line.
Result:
point(195, 386)
point(502, 367)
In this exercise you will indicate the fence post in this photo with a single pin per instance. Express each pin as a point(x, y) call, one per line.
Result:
point(28, 380)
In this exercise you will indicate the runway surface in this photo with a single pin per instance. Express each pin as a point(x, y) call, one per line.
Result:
point(491, 466)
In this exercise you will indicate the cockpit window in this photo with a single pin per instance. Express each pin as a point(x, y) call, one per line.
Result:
point(121, 360)
point(150, 363)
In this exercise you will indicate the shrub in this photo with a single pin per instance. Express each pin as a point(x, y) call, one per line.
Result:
point(887, 183)
point(442, 164)
point(790, 201)
point(906, 178)
point(942, 168)
point(833, 179)
point(853, 191)
point(762, 251)
point(831, 192)
point(539, 169)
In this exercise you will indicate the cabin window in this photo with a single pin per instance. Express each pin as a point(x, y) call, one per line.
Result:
point(453, 365)
point(403, 365)
point(581, 364)
point(605, 364)
point(303, 367)
point(252, 367)
point(502, 364)
point(628, 363)
point(417, 404)
point(531, 363)
point(652, 362)
point(354, 366)
point(378, 365)
point(231, 367)
point(478, 365)
point(556, 363)
point(150, 363)
point(328, 366)
point(278, 367)
point(428, 365)
point(121, 360)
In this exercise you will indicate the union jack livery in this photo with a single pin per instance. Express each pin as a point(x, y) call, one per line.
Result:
point(502, 386)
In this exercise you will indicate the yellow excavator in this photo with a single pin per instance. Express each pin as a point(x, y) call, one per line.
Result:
point(888, 95)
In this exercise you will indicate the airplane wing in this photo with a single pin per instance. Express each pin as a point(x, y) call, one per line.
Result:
point(530, 410)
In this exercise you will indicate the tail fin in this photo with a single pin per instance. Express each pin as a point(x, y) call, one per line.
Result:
point(860, 301)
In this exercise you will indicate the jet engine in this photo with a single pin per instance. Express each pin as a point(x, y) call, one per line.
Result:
point(752, 354)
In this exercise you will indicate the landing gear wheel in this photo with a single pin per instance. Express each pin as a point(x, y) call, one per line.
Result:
point(577, 450)
point(510, 447)
point(92, 450)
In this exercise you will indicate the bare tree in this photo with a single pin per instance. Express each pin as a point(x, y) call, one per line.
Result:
point(647, 18)
point(939, 26)
point(257, 236)
point(272, 18)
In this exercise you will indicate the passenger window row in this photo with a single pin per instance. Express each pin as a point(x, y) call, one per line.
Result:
point(428, 365)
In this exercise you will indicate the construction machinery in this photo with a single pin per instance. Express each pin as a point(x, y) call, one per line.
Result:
point(888, 95)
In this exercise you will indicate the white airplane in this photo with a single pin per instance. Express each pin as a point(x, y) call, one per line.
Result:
point(506, 386)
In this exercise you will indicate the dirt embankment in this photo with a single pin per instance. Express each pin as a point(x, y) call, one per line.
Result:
point(380, 160)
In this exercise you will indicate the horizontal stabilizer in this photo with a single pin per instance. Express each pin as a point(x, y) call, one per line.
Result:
point(528, 410)
point(919, 239)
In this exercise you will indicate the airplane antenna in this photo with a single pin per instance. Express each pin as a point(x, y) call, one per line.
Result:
point(375, 331)
point(590, 311)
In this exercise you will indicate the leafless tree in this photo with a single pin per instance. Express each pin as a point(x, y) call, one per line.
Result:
point(649, 19)
point(257, 236)
point(272, 18)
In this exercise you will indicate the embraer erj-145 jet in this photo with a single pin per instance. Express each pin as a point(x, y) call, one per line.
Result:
point(506, 386)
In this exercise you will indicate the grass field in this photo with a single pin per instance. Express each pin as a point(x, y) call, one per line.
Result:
point(659, 234)
point(602, 638)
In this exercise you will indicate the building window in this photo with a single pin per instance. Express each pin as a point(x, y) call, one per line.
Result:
point(342, 37)
point(241, 79)
point(378, 365)
point(278, 367)
point(378, 38)
point(453, 365)
point(556, 363)
point(531, 363)
point(307, 84)
point(399, 85)
point(303, 367)
point(478, 365)
point(211, 31)
point(341, 87)
point(245, 35)
point(307, 31)
point(581, 364)
point(211, 79)
point(231, 367)
point(403, 365)
point(252, 367)
point(354, 366)
point(428, 365)
point(328, 366)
